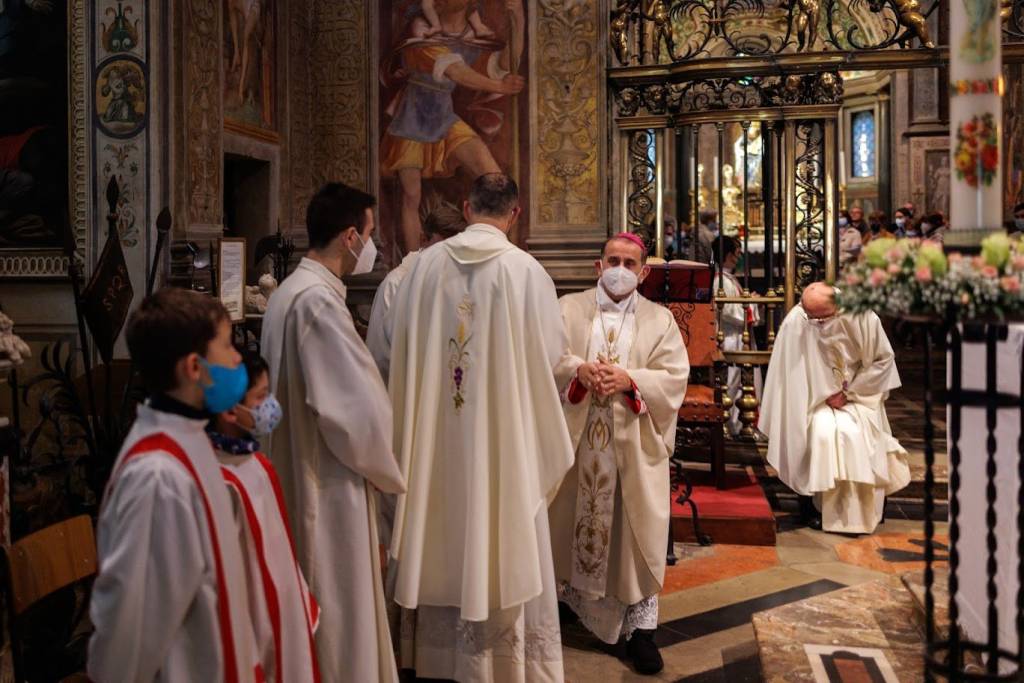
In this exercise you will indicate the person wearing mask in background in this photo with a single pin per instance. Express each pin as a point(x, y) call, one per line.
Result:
point(284, 613)
point(902, 222)
point(850, 240)
point(878, 227)
point(333, 447)
point(622, 380)
point(933, 228)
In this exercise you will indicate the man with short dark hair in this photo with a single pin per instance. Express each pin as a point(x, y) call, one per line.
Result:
point(333, 447)
point(170, 601)
point(476, 332)
point(623, 379)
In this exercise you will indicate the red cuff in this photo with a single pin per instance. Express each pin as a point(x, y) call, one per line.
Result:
point(577, 392)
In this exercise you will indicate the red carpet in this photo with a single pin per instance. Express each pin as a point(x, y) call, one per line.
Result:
point(738, 514)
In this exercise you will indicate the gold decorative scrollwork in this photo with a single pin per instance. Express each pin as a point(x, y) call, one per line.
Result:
point(203, 112)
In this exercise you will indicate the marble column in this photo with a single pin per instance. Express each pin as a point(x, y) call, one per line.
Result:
point(976, 114)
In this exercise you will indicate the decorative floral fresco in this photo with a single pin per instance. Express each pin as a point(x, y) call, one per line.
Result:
point(977, 151)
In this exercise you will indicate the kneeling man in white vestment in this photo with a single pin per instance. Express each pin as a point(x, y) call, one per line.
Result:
point(824, 412)
point(622, 384)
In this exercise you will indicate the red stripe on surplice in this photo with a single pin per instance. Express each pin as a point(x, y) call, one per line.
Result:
point(162, 443)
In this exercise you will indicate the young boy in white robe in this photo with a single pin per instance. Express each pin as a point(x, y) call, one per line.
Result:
point(170, 602)
point(284, 613)
point(623, 380)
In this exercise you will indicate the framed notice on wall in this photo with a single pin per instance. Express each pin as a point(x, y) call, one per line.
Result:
point(231, 276)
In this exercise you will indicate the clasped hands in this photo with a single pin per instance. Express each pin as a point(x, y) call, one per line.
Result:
point(837, 400)
point(603, 378)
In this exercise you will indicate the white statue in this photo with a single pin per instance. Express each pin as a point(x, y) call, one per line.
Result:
point(753, 158)
point(12, 348)
point(256, 296)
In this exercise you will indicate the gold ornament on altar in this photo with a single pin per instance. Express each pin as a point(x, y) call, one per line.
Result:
point(806, 13)
point(733, 217)
point(909, 16)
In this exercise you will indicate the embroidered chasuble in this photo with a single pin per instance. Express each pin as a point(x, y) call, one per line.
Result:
point(610, 518)
point(476, 333)
point(846, 458)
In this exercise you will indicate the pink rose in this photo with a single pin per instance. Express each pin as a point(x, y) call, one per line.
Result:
point(1018, 262)
point(1010, 284)
point(923, 274)
point(978, 262)
point(878, 277)
point(990, 271)
point(895, 255)
point(853, 279)
point(955, 257)
point(894, 269)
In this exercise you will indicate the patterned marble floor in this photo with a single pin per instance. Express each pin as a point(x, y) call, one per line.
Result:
point(706, 632)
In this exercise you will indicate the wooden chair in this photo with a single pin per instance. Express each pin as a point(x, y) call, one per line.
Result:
point(685, 289)
point(36, 568)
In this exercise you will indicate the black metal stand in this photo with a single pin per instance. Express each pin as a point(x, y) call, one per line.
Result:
point(955, 657)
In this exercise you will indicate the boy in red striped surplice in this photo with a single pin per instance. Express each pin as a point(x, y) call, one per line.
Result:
point(284, 613)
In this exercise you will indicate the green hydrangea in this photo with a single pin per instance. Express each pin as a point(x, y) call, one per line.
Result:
point(875, 254)
point(995, 250)
point(931, 255)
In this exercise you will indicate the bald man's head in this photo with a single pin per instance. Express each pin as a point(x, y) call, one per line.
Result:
point(819, 300)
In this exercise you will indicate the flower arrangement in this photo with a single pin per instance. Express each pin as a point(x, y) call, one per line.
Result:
point(910, 277)
point(977, 151)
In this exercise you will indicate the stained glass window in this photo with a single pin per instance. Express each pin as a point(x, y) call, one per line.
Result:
point(863, 144)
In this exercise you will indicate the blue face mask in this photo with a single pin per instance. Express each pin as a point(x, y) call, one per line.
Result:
point(226, 388)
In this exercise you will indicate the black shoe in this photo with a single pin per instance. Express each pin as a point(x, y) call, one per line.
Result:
point(644, 653)
point(809, 514)
point(566, 616)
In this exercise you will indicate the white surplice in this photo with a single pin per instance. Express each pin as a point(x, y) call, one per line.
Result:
point(377, 337)
point(162, 565)
point(733, 319)
point(332, 446)
point(284, 613)
point(847, 458)
point(476, 331)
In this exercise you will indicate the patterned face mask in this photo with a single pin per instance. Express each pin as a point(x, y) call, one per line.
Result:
point(266, 416)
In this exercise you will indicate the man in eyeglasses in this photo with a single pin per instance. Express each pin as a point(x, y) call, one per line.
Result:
point(824, 413)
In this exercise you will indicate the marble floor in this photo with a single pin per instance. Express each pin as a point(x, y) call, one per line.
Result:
point(706, 632)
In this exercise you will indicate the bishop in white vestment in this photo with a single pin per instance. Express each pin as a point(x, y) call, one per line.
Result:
point(824, 412)
point(480, 436)
point(610, 518)
point(333, 446)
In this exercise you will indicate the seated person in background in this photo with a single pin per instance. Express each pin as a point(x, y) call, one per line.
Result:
point(283, 611)
point(824, 412)
point(902, 224)
point(850, 240)
point(170, 601)
point(623, 379)
point(1017, 224)
point(933, 227)
point(878, 227)
point(857, 221)
point(734, 317)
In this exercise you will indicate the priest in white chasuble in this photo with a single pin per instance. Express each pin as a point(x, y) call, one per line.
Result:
point(623, 382)
point(476, 333)
point(333, 446)
point(824, 412)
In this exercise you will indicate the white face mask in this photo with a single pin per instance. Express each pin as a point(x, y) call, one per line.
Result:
point(618, 281)
point(900, 222)
point(366, 257)
point(842, 222)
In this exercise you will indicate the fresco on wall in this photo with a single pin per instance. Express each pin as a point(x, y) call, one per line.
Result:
point(250, 66)
point(33, 123)
point(454, 105)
